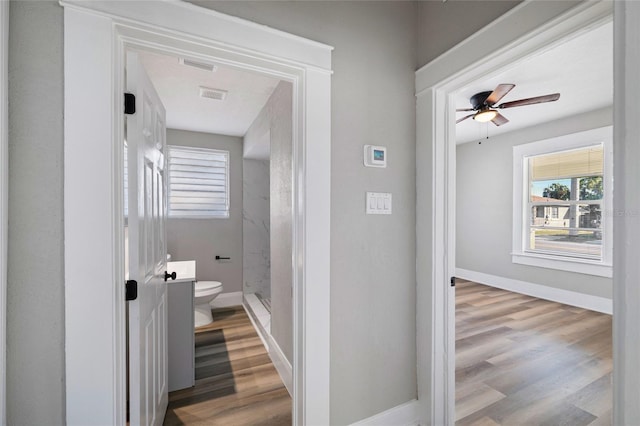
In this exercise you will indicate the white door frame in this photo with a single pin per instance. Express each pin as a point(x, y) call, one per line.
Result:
point(521, 32)
point(96, 35)
point(4, 191)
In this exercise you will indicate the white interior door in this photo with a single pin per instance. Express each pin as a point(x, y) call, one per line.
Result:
point(146, 132)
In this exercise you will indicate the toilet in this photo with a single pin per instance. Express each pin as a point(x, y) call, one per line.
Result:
point(204, 292)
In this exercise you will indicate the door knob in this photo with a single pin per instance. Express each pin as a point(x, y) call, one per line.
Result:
point(169, 275)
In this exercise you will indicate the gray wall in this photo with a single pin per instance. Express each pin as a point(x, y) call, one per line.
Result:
point(256, 257)
point(485, 206)
point(202, 239)
point(443, 24)
point(276, 119)
point(372, 258)
point(373, 319)
point(279, 109)
point(35, 293)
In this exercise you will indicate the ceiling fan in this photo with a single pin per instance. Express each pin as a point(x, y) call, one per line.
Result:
point(485, 108)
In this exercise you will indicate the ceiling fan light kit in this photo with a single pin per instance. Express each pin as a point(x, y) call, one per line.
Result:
point(484, 104)
point(485, 115)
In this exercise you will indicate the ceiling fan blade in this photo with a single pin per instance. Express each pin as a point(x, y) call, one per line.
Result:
point(498, 93)
point(530, 101)
point(499, 120)
point(464, 109)
point(464, 118)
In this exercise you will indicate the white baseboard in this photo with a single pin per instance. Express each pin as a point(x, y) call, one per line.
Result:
point(282, 364)
point(259, 312)
point(280, 361)
point(402, 415)
point(567, 297)
point(227, 299)
point(256, 326)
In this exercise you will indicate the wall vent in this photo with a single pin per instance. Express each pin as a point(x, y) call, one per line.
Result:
point(199, 65)
point(209, 93)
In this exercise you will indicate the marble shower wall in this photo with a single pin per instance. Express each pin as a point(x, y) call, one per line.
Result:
point(256, 266)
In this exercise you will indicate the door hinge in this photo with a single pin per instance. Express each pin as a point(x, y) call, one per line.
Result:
point(129, 103)
point(453, 281)
point(131, 290)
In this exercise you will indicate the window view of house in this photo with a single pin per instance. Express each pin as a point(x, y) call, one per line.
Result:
point(566, 197)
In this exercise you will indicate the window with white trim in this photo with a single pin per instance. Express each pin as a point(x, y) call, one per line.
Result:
point(562, 191)
point(198, 182)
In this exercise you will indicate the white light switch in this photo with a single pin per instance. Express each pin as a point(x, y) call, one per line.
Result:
point(378, 203)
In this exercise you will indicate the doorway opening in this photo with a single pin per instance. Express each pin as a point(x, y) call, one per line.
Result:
point(545, 324)
point(221, 171)
point(436, 86)
point(98, 62)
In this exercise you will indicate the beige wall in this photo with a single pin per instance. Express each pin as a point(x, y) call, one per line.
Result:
point(202, 239)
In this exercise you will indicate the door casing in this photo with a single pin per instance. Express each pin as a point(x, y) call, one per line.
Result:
point(96, 36)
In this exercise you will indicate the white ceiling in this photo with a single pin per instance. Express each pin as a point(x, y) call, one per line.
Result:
point(178, 87)
point(581, 70)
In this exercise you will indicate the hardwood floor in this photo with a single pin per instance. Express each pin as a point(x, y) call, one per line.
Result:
point(236, 383)
point(527, 361)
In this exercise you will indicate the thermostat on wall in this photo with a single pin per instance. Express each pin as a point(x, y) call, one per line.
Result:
point(375, 156)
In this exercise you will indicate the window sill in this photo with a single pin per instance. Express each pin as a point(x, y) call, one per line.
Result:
point(571, 265)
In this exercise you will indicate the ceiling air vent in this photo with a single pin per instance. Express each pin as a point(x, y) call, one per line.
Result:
point(217, 94)
point(199, 65)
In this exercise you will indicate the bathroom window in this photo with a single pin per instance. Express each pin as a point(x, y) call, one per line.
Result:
point(198, 182)
point(562, 190)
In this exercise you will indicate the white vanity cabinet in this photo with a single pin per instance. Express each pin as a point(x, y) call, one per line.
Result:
point(181, 337)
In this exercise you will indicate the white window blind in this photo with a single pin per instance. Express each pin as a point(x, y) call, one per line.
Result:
point(198, 182)
point(568, 164)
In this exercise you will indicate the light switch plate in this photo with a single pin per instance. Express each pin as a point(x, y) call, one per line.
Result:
point(378, 203)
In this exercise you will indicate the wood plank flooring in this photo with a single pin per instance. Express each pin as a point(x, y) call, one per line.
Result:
point(236, 383)
point(527, 361)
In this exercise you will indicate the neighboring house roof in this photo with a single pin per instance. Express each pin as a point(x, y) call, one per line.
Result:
point(538, 199)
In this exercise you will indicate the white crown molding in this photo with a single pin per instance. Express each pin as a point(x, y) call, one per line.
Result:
point(187, 18)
